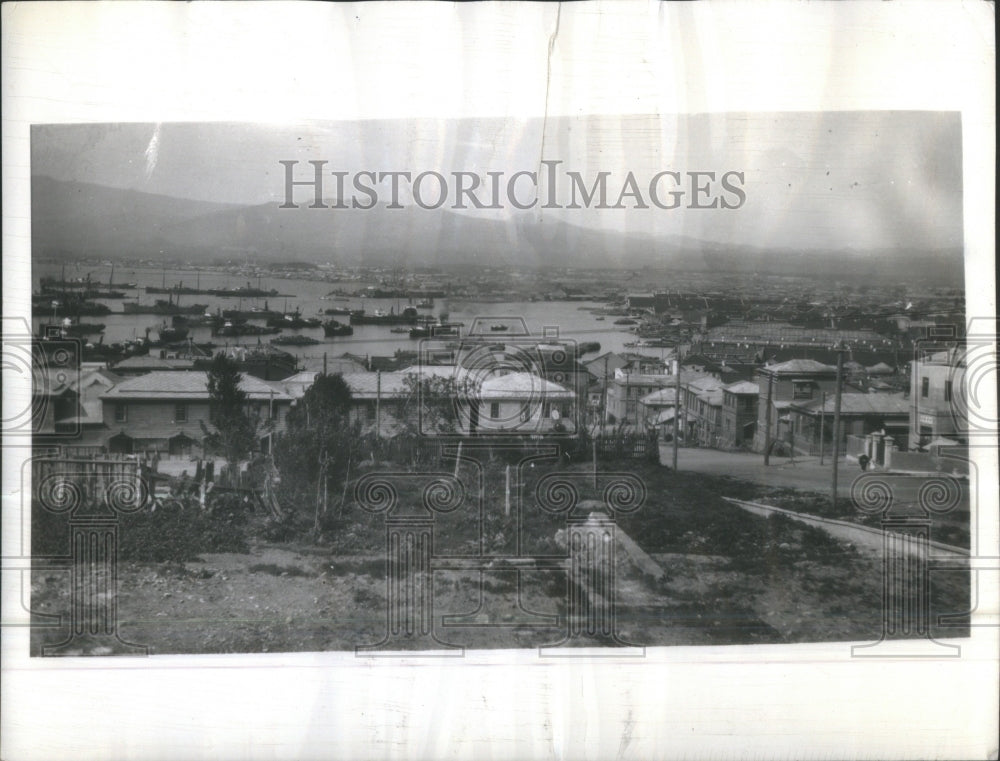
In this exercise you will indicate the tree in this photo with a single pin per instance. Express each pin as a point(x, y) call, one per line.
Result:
point(320, 442)
point(234, 435)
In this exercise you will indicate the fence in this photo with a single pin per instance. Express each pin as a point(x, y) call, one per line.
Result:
point(94, 481)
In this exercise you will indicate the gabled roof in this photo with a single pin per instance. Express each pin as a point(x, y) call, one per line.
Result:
point(793, 366)
point(183, 385)
point(861, 404)
point(743, 387)
point(153, 363)
point(521, 386)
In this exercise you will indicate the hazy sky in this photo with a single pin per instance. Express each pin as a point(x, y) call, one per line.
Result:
point(816, 180)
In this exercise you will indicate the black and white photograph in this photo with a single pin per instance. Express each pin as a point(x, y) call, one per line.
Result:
point(603, 398)
point(405, 396)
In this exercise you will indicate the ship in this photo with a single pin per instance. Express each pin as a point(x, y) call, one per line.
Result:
point(232, 328)
point(161, 306)
point(332, 328)
point(444, 330)
point(425, 304)
point(407, 317)
point(343, 311)
point(67, 303)
point(243, 292)
point(69, 329)
point(294, 341)
point(172, 333)
point(263, 361)
point(293, 321)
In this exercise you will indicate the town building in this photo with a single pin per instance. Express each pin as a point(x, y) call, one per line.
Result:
point(784, 384)
point(936, 386)
point(168, 412)
point(739, 414)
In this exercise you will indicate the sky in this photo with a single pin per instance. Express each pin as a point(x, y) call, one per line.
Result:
point(813, 180)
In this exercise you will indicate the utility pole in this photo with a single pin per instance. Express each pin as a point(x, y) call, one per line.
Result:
point(767, 420)
point(836, 423)
point(677, 406)
point(378, 404)
point(822, 418)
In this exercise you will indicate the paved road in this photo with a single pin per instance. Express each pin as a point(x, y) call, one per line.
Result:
point(805, 473)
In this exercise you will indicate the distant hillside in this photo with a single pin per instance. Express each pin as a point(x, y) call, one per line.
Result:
point(71, 218)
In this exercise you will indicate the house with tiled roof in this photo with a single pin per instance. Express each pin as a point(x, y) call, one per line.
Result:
point(783, 384)
point(860, 414)
point(165, 412)
point(739, 414)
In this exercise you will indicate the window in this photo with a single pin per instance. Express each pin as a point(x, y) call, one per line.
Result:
point(121, 413)
point(802, 390)
point(925, 387)
point(947, 390)
point(180, 413)
point(495, 410)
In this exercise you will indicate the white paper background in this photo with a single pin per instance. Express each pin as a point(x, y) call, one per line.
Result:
point(104, 62)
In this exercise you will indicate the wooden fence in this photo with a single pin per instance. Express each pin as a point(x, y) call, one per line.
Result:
point(65, 483)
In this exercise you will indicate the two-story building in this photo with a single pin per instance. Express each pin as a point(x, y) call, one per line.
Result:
point(936, 409)
point(165, 412)
point(781, 385)
point(739, 414)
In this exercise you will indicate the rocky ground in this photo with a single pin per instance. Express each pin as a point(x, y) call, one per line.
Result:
point(699, 572)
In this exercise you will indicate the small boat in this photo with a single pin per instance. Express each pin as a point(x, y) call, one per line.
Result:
point(626, 321)
point(499, 328)
point(599, 319)
point(400, 330)
point(425, 304)
point(338, 311)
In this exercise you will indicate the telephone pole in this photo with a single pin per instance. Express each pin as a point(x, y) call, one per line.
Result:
point(822, 418)
point(767, 419)
point(677, 406)
point(836, 423)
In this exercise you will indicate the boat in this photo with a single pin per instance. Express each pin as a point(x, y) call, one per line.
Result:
point(237, 328)
point(161, 306)
point(293, 321)
point(173, 333)
point(626, 321)
point(407, 317)
point(425, 304)
point(243, 292)
point(400, 330)
point(69, 328)
point(498, 328)
point(447, 330)
point(599, 319)
point(294, 341)
point(344, 311)
point(264, 361)
point(333, 328)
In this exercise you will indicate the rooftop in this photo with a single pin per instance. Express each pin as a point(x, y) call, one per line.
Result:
point(185, 384)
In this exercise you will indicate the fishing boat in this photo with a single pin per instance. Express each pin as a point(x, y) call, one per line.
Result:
point(332, 328)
